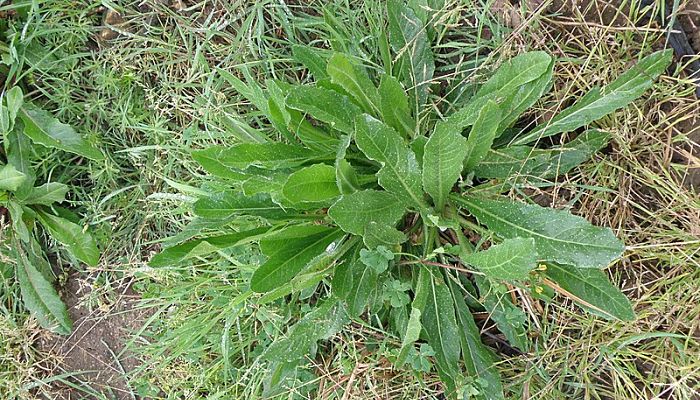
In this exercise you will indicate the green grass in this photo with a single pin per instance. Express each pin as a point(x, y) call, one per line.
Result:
point(152, 93)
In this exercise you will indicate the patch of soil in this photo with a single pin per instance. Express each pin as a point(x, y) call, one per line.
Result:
point(96, 348)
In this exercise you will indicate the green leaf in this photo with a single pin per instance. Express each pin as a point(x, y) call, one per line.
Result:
point(250, 90)
point(513, 86)
point(482, 134)
point(14, 99)
point(400, 173)
point(40, 297)
point(294, 248)
point(353, 212)
point(356, 283)
point(545, 164)
point(410, 336)
point(219, 159)
point(182, 252)
point(440, 324)
point(443, 159)
point(598, 103)
point(511, 260)
point(559, 236)
point(311, 59)
point(314, 184)
point(408, 38)
point(10, 178)
point(509, 319)
point(77, 241)
point(46, 194)
point(382, 235)
point(325, 105)
point(345, 175)
point(393, 106)
point(228, 203)
point(354, 80)
point(289, 351)
point(378, 259)
point(47, 131)
point(478, 359)
point(592, 290)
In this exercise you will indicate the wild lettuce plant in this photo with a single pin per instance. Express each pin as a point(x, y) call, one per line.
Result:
point(367, 201)
point(33, 209)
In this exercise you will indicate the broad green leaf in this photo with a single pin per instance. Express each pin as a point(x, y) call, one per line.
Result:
point(524, 97)
point(241, 156)
point(440, 324)
point(19, 226)
point(289, 351)
point(443, 159)
point(46, 194)
point(410, 336)
point(345, 175)
point(418, 147)
point(227, 204)
point(311, 59)
point(382, 235)
point(559, 236)
point(509, 319)
point(325, 105)
point(511, 260)
point(356, 283)
point(394, 107)
point(354, 80)
point(10, 178)
point(14, 98)
point(482, 134)
point(353, 212)
point(292, 254)
point(592, 290)
point(478, 359)
point(512, 86)
point(182, 252)
point(539, 163)
point(313, 137)
point(40, 297)
point(77, 240)
point(597, 103)
point(48, 131)
point(314, 184)
point(408, 38)
point(400, 173)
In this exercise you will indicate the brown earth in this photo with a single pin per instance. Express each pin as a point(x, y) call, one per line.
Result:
point(96, 348)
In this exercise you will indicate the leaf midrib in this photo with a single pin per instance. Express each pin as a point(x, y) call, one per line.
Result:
point(533, 233)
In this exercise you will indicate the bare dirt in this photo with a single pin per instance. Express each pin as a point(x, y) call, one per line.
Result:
point(96, 348)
